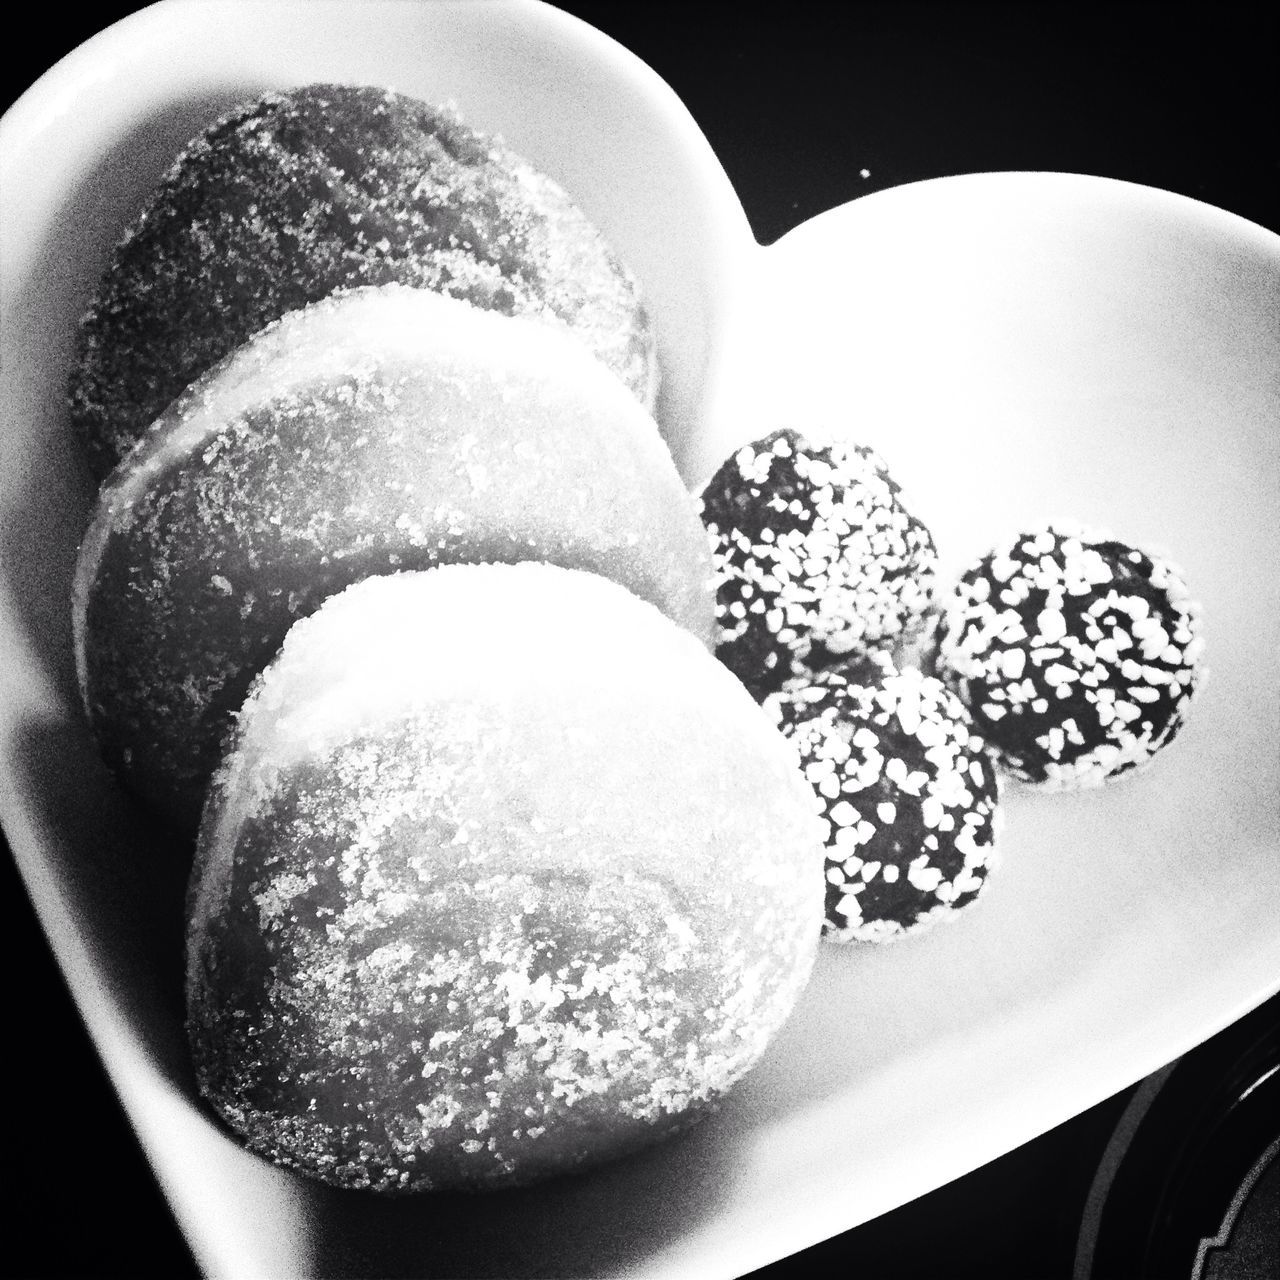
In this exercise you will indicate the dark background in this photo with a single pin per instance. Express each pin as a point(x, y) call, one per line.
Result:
point(798, 101)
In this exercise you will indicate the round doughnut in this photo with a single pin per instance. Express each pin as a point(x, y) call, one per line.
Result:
point(469, 912)
point(816, 557)
point(1077, 654)
point(295, 195)
point(382, 429)
point(908, 790)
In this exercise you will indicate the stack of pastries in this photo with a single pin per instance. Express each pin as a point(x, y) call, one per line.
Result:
point(392, 598)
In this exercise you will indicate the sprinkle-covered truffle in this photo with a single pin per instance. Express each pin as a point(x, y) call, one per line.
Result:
point(1077, 654)
point(816, 557)
point(908, 790)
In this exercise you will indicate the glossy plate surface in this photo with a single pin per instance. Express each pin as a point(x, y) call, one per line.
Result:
point(1019, 347)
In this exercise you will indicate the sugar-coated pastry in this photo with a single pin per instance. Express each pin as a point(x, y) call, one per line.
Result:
point(909, 792)
point(295, 195)
point(1077, 654)
point(503, 874)
point(382, 429)
point(816, 557)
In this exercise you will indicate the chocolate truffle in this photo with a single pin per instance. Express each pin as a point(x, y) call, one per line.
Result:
point(1077, 654)
point(908, 790)
point(817, 557)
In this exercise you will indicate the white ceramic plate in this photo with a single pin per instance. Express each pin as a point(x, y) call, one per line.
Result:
point(1018, 347)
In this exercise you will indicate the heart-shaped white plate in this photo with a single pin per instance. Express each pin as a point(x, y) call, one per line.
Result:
point(1018, 347)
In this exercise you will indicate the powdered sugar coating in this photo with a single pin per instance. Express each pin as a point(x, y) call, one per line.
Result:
point(520, 897)
point(816, 557)
point(379, 430)
point(1077, 654)
point(295, 195)
point(908, 790)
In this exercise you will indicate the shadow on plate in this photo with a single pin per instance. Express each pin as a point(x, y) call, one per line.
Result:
point(123, 877)
point(48, 499)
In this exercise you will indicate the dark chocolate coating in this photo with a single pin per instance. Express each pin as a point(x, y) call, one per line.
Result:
point(817, 558)
point(909, 792)
point(1077, 654)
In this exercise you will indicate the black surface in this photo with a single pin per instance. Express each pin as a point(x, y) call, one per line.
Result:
point(1210, 1132)
point(797, 109)
point(818, 106)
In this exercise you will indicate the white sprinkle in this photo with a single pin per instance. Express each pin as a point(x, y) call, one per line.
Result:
point(1013, 662)
point(843, 814)
point(1051, 625)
